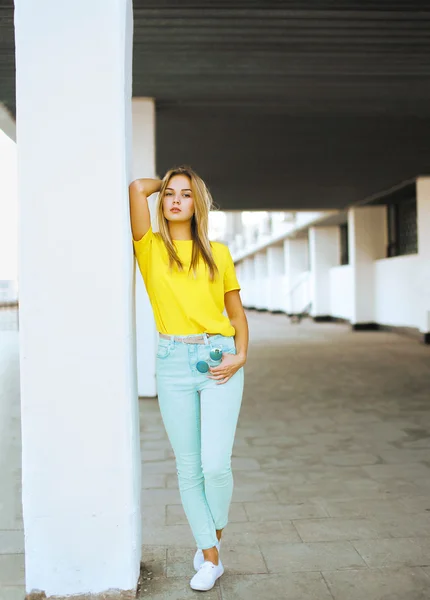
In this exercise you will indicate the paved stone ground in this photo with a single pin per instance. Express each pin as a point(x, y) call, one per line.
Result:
point(331, 465)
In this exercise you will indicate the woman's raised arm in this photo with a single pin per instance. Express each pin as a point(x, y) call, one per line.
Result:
point(139, 191)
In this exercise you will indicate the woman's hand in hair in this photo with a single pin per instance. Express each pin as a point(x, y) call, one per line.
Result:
point(230, 364)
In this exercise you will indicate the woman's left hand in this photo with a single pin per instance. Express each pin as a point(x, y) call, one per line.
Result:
point(229, 365)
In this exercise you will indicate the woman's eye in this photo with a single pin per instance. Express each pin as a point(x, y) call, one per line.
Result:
point(187, 195)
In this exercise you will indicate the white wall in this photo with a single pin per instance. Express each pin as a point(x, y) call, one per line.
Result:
point(341, 292)
point(399, 293)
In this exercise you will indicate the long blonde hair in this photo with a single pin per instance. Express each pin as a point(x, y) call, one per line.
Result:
point(199, 222)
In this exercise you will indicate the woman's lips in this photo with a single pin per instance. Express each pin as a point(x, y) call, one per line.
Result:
point(175, 210)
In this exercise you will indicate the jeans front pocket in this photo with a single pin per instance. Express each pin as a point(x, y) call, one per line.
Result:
point(164, 348)
point(226, 344)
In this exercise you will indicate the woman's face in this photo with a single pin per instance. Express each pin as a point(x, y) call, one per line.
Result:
point(178, 203)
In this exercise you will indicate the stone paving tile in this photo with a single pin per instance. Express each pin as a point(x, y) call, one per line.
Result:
point(168, 535)
point(157, 467)
point(160, 496)
point(395, 552)
point(244, 464)
point(363, 507)
point(153, 515)
point(407, 470)
point(405, 455)
point(238, 559)
point(176, 515)
point(268, 511)
point(294, 586)
point(346, 489)
point(378, 584)
point(319, 530)
point(243, 493)
point(12, 569)
point(246, 558)
point(153, 480)
point(174, 588)
point(284, 441)
point(12, 542)
point(345, 459)
point(153, 455)
point(259, 532)
point(416, 504)
point(319, 556)
point(154, 559)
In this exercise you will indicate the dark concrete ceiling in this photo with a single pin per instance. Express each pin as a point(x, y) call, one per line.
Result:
point(277, 104)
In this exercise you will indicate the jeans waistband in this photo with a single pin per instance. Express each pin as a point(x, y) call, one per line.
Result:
point(199, 338)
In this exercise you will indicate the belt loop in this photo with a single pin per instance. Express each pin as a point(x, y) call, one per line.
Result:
point(205, 336)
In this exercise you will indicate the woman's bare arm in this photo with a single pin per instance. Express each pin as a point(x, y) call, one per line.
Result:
point(139, 191)
point(236, 314)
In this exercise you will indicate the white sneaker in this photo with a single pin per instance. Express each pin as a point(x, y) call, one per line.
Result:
point(199, 559)
point(206, 576)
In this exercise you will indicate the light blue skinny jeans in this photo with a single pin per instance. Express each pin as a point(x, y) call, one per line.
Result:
point(200, 418)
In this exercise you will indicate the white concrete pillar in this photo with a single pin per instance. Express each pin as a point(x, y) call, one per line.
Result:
point(367, 227)
point(248, 282)
point(423, 223)
point(261, 292)
point(80, 426)
point(143, 111)
point(276, 276)
point(296, 257)
point(324, 253)
point(233, 225)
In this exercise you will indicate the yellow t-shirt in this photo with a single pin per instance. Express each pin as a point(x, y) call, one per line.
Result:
point(185, 304)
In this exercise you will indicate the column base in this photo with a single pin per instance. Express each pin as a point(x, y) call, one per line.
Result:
point(366, 327)
point(109, 595)
point(323, 319)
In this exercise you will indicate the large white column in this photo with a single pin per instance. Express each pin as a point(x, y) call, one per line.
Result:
point(80, 427)
point(233, 225)
point(261, 292)
point(143, 110)
point(296, 257)
point(324, 253)
point(423, 223)
point(367, 242)
point(248, 282)
point(276, 278)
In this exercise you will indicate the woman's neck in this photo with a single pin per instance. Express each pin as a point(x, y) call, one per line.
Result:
point(180, 231)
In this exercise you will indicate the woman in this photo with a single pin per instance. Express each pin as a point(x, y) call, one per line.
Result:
point(190, 281)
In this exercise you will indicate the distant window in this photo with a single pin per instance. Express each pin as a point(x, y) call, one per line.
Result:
point(344, 246)
point(402, 227)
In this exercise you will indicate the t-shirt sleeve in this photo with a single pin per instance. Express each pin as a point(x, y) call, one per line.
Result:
point(143, 246)
point(230, 279)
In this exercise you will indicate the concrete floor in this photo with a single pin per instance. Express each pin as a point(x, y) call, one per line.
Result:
point(331, 466)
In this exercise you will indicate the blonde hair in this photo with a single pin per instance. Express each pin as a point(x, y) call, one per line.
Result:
point(203, 203)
